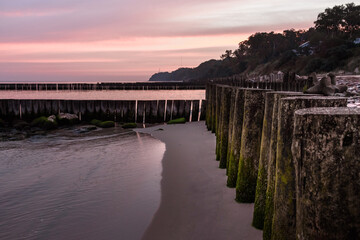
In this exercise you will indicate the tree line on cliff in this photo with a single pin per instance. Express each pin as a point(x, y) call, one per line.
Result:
point(332, 44)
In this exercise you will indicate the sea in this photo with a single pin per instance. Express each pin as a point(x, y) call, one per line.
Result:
point(104, 184)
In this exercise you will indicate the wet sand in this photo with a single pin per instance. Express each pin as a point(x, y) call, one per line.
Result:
point(195, 202)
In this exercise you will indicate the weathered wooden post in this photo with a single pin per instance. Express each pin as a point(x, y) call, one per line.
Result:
point(231, 125)
point(254, 104)
point(208, 108)
point(269, 200)
point(217, 119)
point(284, 197)
point(264, 159)
point(327, 161)
point(213, 108)
point(224, 124)
point(235, 144)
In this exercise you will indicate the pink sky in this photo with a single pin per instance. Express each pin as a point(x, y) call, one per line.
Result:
point(124, 40)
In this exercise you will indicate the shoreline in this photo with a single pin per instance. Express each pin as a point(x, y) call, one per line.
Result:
point(195, 202)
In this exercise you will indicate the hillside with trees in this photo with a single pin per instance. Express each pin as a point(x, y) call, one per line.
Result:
point(333, 44)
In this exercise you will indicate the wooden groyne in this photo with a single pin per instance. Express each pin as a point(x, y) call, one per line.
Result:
point(116, 110)
point(101, 86)
point(296, 156)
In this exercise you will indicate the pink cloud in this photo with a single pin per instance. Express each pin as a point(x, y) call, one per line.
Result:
point(133, 38)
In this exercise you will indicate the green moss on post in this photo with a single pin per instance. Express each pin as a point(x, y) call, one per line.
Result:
point(254, 106)
point(217, 120)
point(284, 219)
point(235, 145)
point(208, 106)
point(270, 189)
point(261, 185)
point(231, 125)
point(213, 107)
point(224, 125)
point(262, 179)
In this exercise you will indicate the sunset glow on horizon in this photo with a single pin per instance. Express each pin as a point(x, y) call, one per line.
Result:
point(122, 40)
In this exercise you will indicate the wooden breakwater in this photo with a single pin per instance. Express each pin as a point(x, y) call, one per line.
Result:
point(296, 156)
point(275, 82)
point(102, 86)
point(156, 111)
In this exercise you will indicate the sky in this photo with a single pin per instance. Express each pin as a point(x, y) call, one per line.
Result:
point(129, 40)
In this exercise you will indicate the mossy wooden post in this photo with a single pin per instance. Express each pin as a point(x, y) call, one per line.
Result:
point(236, 137)
point(213, 108)
point(284, 197)
point(217, 120)
point(231, 125)
point(208, 106)
point(261, 184)
point(224, 124)
point(269, 199)
point(254, 105)
point(262, 178)
point(327, 159)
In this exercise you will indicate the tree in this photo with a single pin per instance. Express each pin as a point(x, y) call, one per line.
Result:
point(227, 54)
point(352, 19)
point(339, 20)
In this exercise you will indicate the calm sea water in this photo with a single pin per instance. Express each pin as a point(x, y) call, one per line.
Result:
point(101, 185)
point(107, 95)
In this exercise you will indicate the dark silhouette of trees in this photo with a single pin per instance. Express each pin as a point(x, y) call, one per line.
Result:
point(339, 20)
point(326, 46)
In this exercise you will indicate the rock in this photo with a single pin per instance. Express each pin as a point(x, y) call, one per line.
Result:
point(67, 119)
point(20, 124)
point(327, 86)
point(68, 116)
point(314, 78)
point(341, 88)
point(351, 105)
point(340, 94)
point(52, 118)
point(86, 128)
point(333, 78)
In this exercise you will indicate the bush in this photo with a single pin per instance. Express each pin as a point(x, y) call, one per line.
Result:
point(107, 124)
point(129, 125)
point(95, 122)
point(44, 123)
point(177, 121)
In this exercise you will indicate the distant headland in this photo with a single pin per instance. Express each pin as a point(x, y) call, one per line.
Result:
point(333, 44)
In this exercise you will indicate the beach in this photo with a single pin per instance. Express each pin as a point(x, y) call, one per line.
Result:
point(195, 202)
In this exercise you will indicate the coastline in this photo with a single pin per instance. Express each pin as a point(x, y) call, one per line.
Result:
point(195, 202)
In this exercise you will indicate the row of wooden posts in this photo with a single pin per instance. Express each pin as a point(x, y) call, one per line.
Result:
point(101, 86)
point(296, 156)
point(155, 111)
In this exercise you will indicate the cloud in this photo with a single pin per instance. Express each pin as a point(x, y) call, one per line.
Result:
point(95, 20)
point(121, 38)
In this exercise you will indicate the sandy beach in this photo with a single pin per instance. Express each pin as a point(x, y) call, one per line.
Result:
point(195, 202)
